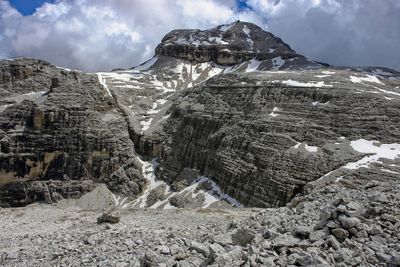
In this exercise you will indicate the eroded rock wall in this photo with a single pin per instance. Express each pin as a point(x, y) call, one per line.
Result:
point(62, 125)
point(262, 141)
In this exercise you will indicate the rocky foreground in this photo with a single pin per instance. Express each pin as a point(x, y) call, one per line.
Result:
point(349, 223)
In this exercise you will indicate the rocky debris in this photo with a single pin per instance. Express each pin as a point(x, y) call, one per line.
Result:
point(330, 226)
point(200, 248)
point(242, 237)
point(216, 250)
point(98, 199)
point(109, 217)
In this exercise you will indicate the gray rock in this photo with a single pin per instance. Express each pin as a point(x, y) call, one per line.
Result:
point(109, 217)
point(389, 218)
point(303, 232)
point(201, 248)
point(333, 242)
point(235, 257)
point(163, 250)
point(384, 257)
point(342, 255)
point(340, 234)
point(62, 132)
point(285, 240)
point(223, 239)
point(215, 250)
point(317, 235)
point(235, 49)
point(151, 259)
point(348, 222)
point(395, 258)
point(270, 234)
point(379, 198)
point(242, 237)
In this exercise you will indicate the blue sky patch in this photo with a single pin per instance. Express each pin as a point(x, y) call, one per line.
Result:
point(242, 5)
point(28, 7)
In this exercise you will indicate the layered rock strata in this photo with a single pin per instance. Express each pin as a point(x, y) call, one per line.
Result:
point(58, 129)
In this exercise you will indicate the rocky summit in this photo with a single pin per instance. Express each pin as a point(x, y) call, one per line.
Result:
point(226, 148)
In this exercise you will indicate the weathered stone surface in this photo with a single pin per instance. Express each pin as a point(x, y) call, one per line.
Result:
point(262, 159)
point(348, 222)
point(340, 234)
point(60, 125)
point(242, 237)
point(262, 136)
point(215, 251)
point(228, 45)
point(201, 248)
point(109, 217)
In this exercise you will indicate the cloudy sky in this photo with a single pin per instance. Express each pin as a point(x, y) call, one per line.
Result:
point(105, 34)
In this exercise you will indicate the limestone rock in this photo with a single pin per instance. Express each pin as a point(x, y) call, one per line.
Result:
point(60, 125)
point(109, 217)
point(201, 248)
point(242, 237)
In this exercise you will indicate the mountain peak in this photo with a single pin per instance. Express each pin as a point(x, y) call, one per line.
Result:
point(226, 44)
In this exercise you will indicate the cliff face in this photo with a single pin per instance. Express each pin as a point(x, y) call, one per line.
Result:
point(225, 45)
point(60, 132)
point(233, 105)
point(270, 126)
point(264, 136)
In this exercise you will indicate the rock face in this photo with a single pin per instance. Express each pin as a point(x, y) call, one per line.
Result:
point(232, 113)
point(60, 131)
point(263, 136)
point(226, 44)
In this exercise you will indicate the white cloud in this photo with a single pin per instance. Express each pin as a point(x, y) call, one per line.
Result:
point(340, 32)
point(102, 35)
point(106, 34)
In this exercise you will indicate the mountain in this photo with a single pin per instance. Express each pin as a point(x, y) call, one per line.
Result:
point(231, 113)
point(231, 44)
point(60, 132)
point(226, 148)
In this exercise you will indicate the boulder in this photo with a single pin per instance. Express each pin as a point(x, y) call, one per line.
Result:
point(109, 217)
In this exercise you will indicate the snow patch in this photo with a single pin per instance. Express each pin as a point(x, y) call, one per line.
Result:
point(212, 195)
point(253, 65)
point(103, 83)
point(291, 82)
point(327, 72)
point(387, 92)
point(247, 32)
point(339, 178)
point(311, 149)
point(378, 151)
point(273, 114)
point(390, 171)
point(316, 103)
point(216, 194)
point(368, 78)
point(146, 124)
